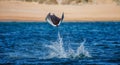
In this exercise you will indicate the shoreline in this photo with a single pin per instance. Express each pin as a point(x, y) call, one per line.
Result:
point(24, 11)
point(46, 21)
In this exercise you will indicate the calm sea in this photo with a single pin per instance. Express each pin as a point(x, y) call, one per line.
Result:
point(72, 43)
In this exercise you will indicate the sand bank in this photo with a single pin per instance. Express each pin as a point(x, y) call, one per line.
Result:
point(26, 11)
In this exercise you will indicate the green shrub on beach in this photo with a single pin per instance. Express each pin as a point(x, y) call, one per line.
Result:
point(69, 1)
point(117, 2)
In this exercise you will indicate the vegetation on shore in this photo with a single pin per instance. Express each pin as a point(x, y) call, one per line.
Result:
point(70, 2)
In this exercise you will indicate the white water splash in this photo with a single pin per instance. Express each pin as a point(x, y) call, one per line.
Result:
point(58, 50)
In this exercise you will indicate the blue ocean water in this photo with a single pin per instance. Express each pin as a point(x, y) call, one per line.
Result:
point(77, 43)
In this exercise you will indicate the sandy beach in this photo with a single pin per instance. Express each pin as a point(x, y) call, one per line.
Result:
point(26, 11)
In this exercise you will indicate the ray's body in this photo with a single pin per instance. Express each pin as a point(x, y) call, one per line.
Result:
point(54, 20)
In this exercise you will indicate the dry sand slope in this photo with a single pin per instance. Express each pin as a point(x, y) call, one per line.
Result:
point(25, 11)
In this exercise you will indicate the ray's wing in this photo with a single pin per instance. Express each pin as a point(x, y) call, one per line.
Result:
point(48, 19)
point(61, 19)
